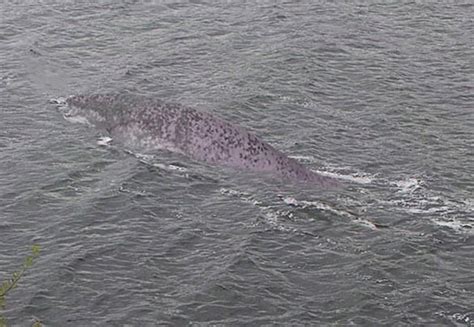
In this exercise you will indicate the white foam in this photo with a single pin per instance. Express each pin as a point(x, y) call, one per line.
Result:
point(469, 206)
point(310, 159)
point(76, 119)
point(336, 172)
point(324, 206)
point(455, 224)
point(356, 177)
point(286, 98)
point(61, 101)
point(366, 223)
point(462, 318)
point(104, 141)
point(412, 198)
point(150, 160)
point(409, 185)
point(427, 210)
point(169, 167)
point(315, 204)
point(246, 197)
point(271, 216)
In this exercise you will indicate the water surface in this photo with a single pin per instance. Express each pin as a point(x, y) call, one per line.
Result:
point(378, 95)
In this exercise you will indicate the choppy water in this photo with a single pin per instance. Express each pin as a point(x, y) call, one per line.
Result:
point(379, 95)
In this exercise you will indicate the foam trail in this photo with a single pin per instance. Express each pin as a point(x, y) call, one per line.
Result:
point(327, 207)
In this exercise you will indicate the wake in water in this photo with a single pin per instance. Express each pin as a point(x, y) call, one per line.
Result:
point(410, 196)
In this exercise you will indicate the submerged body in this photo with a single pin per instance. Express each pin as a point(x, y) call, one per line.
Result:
point(150, 124)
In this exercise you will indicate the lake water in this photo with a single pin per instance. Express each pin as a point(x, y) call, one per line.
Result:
point(379, 95)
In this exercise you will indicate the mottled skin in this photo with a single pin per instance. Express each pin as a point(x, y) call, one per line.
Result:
point(151, 124)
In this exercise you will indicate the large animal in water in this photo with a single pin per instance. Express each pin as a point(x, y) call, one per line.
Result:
point(149, 124)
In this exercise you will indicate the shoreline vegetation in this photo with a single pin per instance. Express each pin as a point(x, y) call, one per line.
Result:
point(8, 285)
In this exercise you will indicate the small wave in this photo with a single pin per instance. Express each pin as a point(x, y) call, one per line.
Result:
point(342, 173)
point(408, 185)
point(327, 207)
point(355, 177)
point(147, 158)
point(316, 204)
point(413, 197)
point(309, 159)
point(304, 102)
point(76, 119)
point(271, 216)
point(60, 101)
point(170, 167)
point(150, 160)
point(454, 224)
point(104, 141)
point(244, 196)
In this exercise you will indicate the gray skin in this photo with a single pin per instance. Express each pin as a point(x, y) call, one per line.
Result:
point(149, 124)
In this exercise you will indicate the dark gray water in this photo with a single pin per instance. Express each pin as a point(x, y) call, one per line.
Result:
point(377, 94)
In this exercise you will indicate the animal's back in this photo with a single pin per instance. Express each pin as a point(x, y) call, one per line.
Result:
point(153, 124)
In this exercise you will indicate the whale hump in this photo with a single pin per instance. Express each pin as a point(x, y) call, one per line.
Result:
point(151, 124)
